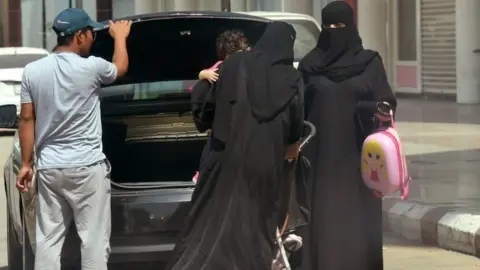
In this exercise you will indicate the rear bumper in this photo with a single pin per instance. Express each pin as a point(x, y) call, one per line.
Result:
point(145, 225)
point(156, 253)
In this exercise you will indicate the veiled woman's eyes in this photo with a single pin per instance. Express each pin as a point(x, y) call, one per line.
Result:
point(333, 25)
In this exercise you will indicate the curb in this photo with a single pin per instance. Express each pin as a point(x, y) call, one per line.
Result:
point(443, 227)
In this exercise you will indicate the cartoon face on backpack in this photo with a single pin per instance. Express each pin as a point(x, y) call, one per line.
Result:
point(383, 164)
point(373, 162)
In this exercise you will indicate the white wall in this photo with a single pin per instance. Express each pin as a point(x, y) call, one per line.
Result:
point(239, 5)
point(310, 7)
point(130, 7)
point(32, 34)
point(183, 5)
point(211, 5)
point(90, 7)
point(372, 25)
point(32, 23)
point(122, 8)
point(53, 8)
point(468, 39)
point(298, 6)
point(32, 15)
point(318, 5)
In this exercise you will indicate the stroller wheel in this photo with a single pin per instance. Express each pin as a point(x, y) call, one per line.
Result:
point(293, 243)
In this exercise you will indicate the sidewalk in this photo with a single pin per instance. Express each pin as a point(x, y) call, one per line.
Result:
point(442, 142)
point(399, 254)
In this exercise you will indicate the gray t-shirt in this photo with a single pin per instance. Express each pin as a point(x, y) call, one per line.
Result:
point(64, 89)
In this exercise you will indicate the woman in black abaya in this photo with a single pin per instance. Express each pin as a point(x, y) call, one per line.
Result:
point(345, 231)
point(202, 95)
point(258, 114)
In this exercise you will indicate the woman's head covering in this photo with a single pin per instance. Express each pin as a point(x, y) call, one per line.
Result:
point(273, 79)
point(339, 53)
point(277, 42)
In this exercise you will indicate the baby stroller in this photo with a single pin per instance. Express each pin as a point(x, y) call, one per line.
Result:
point(298, 210)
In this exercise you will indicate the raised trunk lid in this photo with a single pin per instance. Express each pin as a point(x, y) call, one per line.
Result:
point(166, 53)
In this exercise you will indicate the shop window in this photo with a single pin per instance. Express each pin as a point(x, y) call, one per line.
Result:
point(407, 30)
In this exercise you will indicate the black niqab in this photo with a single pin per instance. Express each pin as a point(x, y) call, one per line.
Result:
point(339, 53)
point(274, 79)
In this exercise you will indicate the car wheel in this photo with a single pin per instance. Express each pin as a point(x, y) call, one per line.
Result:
point(14, 247)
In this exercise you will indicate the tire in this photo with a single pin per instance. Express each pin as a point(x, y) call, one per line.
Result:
point(14, 247)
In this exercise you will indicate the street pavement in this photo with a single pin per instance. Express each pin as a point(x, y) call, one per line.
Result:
point(441, 141)
point(403, 255)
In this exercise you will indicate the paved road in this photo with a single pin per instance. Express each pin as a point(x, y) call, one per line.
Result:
point(403, 255)
point(441, 141)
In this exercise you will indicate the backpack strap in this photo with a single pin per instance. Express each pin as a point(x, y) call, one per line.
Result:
point(382, 118)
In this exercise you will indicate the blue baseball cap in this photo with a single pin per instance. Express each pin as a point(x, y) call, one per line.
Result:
point(72, 20)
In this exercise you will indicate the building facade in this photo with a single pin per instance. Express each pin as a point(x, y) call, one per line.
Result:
point(28, 22)
point(427, 45)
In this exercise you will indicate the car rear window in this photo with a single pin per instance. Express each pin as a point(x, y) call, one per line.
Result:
point(173, 49)
point(18, 60)
point(163, 63)
point(147, 90)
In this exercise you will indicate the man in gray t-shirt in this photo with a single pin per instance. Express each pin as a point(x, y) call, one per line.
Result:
point(60, 118)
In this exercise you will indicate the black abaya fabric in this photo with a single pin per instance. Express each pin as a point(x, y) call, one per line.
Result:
point(203, 104)
point(345, 230)
point(203, 112)
point(235, 213)
point(271, 64)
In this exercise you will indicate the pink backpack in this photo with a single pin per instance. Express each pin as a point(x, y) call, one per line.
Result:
point(384, 167)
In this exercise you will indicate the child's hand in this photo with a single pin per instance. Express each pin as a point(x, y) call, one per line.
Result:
point(210, 74)
point(292, 151)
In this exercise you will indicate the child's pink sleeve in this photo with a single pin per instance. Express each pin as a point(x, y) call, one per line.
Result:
point(215, 66)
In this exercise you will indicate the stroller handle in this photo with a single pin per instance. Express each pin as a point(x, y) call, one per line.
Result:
point(312, 132)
